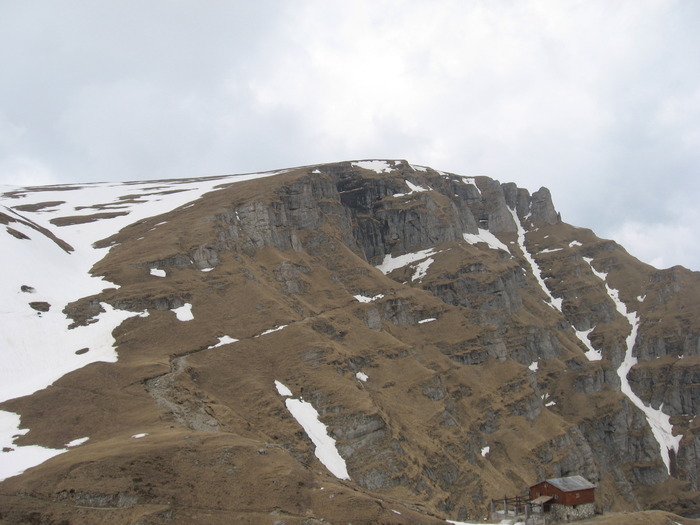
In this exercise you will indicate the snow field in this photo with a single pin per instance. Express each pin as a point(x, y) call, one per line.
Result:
point(307, 416)
point(37, 348)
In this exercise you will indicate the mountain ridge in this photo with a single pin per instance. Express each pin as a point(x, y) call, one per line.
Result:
point(465, 346)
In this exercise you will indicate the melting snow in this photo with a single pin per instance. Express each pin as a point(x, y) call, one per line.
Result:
point(487, 237)
point(184, 313)
point(534, 366)
point(641, 298)
point(418, 168)
point(428, 320)
point(157, 272)
point(378, 166)
point(554, 303)
point(574, 243)
point(485, 451)
point(139, 436)
point(550, 250)
point(389, 264)
point(361, 376)
point(307, 417)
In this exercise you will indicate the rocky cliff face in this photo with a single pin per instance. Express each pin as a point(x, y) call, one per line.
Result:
point(458, 340)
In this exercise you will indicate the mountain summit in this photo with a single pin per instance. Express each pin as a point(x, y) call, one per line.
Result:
point(368, 341)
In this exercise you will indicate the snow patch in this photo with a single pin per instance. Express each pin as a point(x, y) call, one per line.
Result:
point(574, 243)
point(389, 264)
point(534, 366)
point(416, 167)
point(487, 237)
point(365, 299)
point(428, 320)
point(641, 298)
point(485, 451)
point(223, 340)
point(550, 250)
point(282, 389)
point(157, 272)
point(362, 376)
point(378, 166)
point(421, 269)
point(76, 442)
point(184, 313)
point(413, 189)
point(277, 329)
point(601, 275)
point(307, 416)
point(592, 354)
point(139, 436)
point(472, 182)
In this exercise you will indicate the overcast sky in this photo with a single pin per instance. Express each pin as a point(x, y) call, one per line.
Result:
point(597, 100)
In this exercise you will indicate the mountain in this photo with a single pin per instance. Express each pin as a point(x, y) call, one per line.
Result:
point(365, 342)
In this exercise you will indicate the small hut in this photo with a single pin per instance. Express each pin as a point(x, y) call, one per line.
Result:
point(566, 499)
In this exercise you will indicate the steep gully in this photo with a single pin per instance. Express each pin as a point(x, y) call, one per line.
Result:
point(658, 421)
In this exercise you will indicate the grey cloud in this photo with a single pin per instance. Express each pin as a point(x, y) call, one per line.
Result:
point(600, 102)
